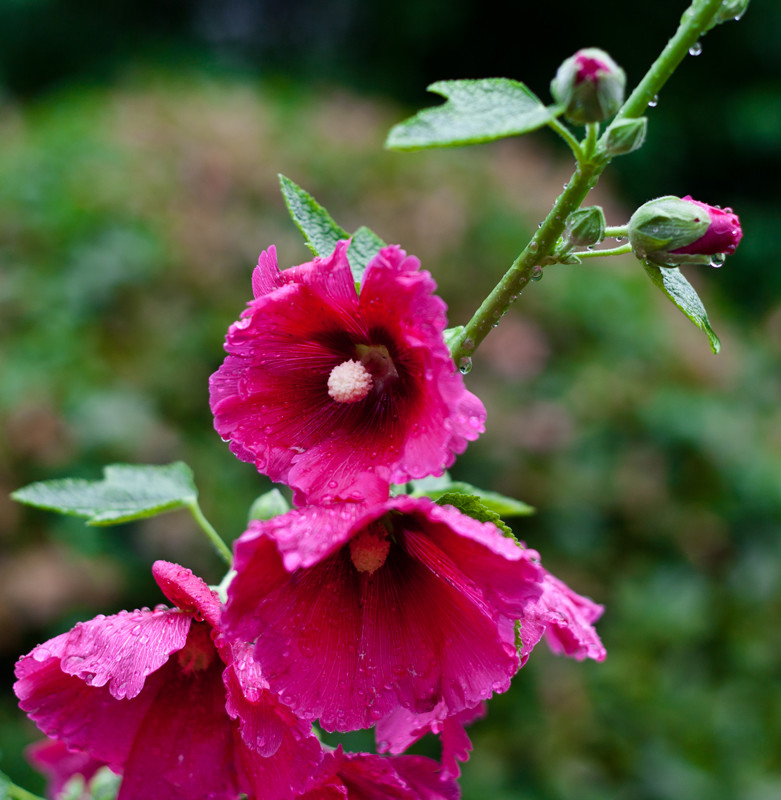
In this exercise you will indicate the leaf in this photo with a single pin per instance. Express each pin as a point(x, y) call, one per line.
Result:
point(476, 111)
point(495, 502)
point(269, 505)
point(322, 233)
point(363, 248)
point(470, 505)
point(127, 492)
point(315, 223)
point(682, 294)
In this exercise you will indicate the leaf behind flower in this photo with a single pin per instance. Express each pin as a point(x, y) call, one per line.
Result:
point(127, 492)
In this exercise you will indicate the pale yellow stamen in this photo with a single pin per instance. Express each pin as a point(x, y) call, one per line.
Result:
point(368, 551)
point(349, 382)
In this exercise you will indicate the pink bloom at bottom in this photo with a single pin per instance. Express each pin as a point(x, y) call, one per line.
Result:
point(59, 764)
point(363, 776)
point(163, 700)
point(358, 611)
point(401, 729)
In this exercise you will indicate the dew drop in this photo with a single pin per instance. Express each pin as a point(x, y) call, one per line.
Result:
point(654, 101)
point(695, 49)
point(465, 365)
point(536, 274)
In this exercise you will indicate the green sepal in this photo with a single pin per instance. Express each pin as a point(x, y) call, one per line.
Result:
point(682, 294)
point(452, 335)
point(103, 786)
point(434, 488)
point(476, 111)
point(127, 492)
point(269, 505)
point(626, 135)
point(470, 505)
point(321, 232)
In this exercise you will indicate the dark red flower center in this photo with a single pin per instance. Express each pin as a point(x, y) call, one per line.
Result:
point(199, 651)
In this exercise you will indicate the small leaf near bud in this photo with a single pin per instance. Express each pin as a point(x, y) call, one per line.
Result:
point(590, 86)
point(585, 227)
point(626, 135)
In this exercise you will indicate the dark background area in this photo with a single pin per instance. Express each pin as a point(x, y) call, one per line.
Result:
point(139, 147)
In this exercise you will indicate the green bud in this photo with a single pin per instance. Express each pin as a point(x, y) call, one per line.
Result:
point(626, 135)
point(585, 227)
point(666, 224)
point(590, 86)
point(269, 505)
point(729, 10)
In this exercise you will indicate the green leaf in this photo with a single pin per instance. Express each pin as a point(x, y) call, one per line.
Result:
point(476, 111)
point(5, 784)
point(682, 294)
point(269, 505)
point(470, 505)
point(321, 231)
point(498, 503)
point(127, 492)
point(317, 226)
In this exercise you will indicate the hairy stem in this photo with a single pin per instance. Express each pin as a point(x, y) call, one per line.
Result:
point(222, 549)
point(694, 23)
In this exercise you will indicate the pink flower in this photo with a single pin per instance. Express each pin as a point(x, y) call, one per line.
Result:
point(363, 776)
point(358, 611)
point(59, 764)
point(340, 394)
point(162, 699)
point(402, 728)
point(722, 236)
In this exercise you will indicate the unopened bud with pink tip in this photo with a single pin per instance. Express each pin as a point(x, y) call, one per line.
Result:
point(590, 86)
point(680, 230)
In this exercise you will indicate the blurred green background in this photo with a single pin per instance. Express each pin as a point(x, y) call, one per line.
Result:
point(139, 148)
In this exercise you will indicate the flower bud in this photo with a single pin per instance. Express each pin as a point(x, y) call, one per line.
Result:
point(729, 10)
point(670, 230)
point(585, 227)
point(626, 135)
point(590, 86)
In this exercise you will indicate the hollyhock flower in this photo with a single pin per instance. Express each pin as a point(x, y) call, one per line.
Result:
point(680, 230)
point(59, 764)
point(340, 394)
point(360, 776)
point(360, 610)
point(402, 728)
point(161, 698)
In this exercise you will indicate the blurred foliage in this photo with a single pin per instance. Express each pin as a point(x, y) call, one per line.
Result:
point(130, 219)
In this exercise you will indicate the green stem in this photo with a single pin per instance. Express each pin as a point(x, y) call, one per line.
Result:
point(617, 232)
point(211, 533)
point(568, 137)
point(694, 23)
point(614, 251)
point(592, 132)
